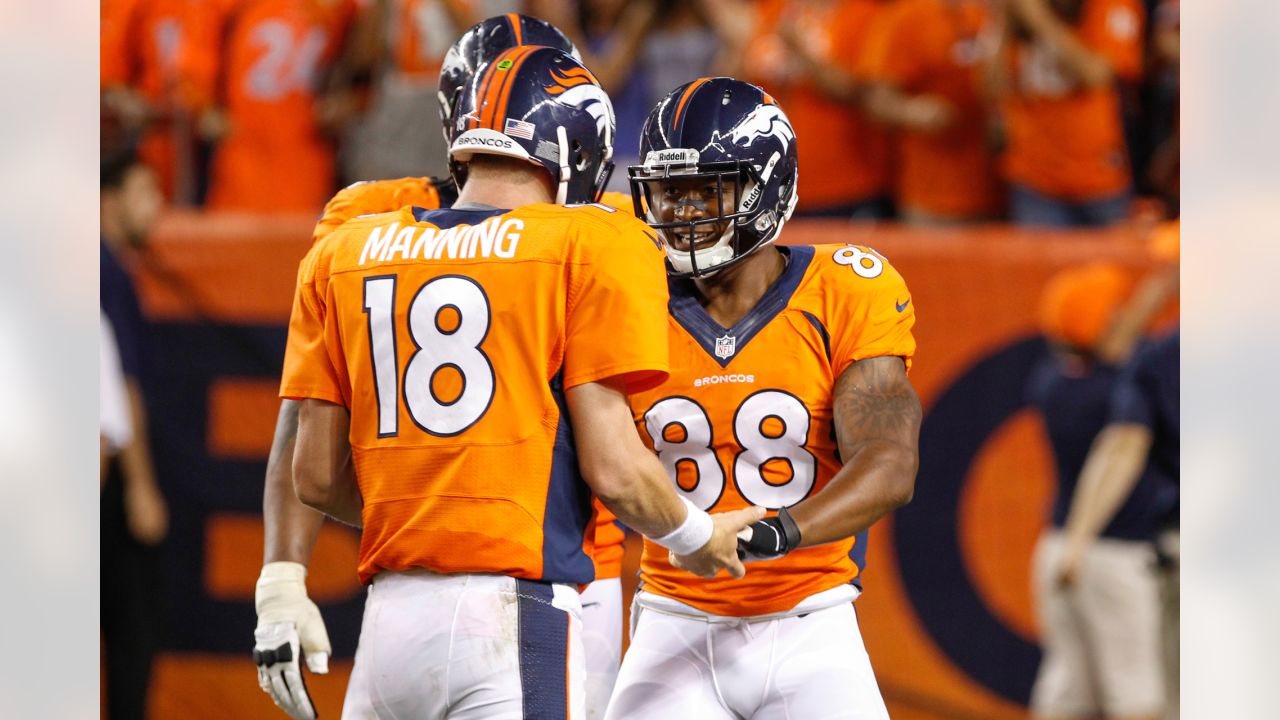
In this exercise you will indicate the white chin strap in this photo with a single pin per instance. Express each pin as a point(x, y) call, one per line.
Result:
point(708, 257)
point(562, 192)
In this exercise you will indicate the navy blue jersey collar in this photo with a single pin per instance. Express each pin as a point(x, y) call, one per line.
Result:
point(445, 218)
point(688, 311)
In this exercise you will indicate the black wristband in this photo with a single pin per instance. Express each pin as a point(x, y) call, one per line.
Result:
point(790, 529)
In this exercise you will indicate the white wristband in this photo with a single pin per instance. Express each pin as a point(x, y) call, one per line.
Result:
point(692, 534)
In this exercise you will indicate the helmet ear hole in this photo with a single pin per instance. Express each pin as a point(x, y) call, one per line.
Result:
point(581, 156)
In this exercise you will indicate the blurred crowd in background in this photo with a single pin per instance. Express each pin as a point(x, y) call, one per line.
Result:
point(1040, 112)
point(1046, 113)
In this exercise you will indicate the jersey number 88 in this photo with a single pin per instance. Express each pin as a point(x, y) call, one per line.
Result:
point(758, 444)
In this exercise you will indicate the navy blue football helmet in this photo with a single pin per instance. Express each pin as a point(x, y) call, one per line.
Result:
point(479, 45)
point(540, 105)
point(722, 131)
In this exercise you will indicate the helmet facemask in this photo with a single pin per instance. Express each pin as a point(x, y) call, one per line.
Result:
point(735, 184)
point(722, 130)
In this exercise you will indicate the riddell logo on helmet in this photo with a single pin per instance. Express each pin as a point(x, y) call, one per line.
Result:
point(680, 156)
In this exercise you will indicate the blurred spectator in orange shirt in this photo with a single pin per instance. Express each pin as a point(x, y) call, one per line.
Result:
point(143, 90)
point(262, 65)
point(925, 65)
point(1066, 157)
point(805, 55)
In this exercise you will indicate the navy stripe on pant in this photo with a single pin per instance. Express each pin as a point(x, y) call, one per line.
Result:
point(544, 653)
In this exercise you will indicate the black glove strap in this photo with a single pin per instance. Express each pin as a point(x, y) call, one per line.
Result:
point(790, 529)
point(271, 656)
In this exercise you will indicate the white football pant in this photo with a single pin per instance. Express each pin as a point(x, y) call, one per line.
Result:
point(602, 638)
point(468, 647)
point(812, 666)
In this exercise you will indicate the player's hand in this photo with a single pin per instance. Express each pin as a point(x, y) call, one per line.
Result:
point(929, 114)
point(762, 540)
point(336, 110)
point(289, 629)
point(213, 124)
point(769, 539)
point(721, 551)
point(128, 106)
point(1068, 571)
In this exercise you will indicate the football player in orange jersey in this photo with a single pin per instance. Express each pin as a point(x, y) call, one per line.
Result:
point(788, 390)
point(436, 354)
point(285, 612)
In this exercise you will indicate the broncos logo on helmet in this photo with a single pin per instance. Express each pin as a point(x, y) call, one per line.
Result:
point(731, 134)
point(595, 101)
point(579, 88)
point(540, 105)
point(764, 120)
point(477, 47)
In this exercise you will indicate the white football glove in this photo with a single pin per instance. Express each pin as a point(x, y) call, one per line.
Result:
point(289, 628)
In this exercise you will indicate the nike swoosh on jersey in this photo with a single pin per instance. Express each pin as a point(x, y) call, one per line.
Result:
point(901, 306)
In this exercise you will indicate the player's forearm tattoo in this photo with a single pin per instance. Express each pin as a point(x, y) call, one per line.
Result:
point(874, 402)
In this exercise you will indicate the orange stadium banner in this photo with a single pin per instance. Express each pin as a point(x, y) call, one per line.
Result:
point(946, 614)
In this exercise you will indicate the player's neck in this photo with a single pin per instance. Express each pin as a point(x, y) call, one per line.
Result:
point(506, 186)
point(729, 295)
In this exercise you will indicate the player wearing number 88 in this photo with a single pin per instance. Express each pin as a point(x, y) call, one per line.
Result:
point(462, 396)
point(818, 423)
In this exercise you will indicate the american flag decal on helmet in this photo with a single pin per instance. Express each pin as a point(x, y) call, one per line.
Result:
point(519, 129)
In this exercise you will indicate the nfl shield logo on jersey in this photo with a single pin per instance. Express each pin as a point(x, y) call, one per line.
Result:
point(726, 346)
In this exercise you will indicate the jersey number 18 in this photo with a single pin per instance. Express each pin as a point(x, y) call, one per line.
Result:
point(448, 321)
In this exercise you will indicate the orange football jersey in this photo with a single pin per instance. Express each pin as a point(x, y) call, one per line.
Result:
point(378, 196)
point(933, 47)
point(421, 32)
point(608, 539)
point(845, 156)
point(618, 201)
point(745, 417)
point(609, 536)
point(142, 47)
point(1064, 140)
point(272, 57)
point(451, 335)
